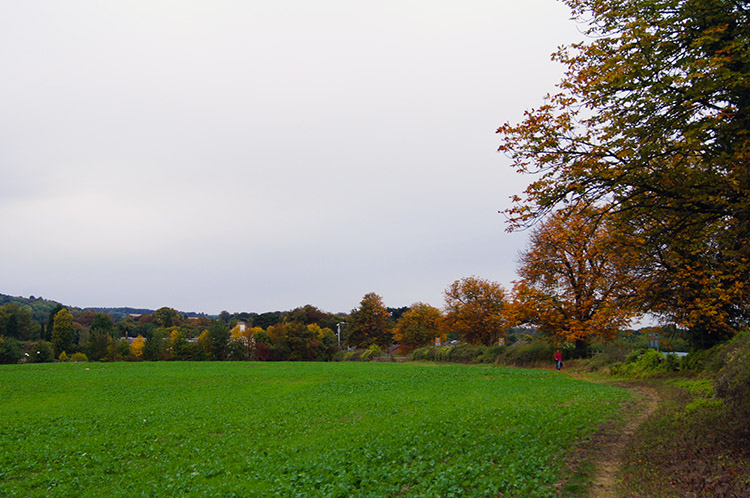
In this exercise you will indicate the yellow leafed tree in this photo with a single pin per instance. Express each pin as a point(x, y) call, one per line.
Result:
point(136, 347)
point(204, 341)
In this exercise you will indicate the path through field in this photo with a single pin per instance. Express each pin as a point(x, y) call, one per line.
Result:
point(612, 446)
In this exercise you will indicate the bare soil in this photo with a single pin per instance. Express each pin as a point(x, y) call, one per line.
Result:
point(698, 453)
point(611, 444)
point(596, 462)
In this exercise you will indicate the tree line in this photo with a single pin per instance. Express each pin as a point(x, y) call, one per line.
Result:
point(474, 313)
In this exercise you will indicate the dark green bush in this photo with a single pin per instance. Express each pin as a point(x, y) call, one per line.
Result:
point(635, 355)
point(530, 354)
point(424, 354)
point(607, 355)
point(372, 353)
point(641, 364)
point(491, 354)
point(41, 352)
point(354, 355)
point(733, 379)
point(671, 363)
point(10, 351)
point(461, 353)
point(706, 360)
point(465, 353)
point(443, 353)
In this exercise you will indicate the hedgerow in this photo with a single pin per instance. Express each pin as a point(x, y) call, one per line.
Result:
point(460, 353)
point(642, 364)
point(733, 380)
point(530, 354)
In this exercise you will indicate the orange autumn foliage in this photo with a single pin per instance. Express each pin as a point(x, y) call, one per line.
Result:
point(651, 120)
point(370, 323)
point(476, 309)
point(579, 277)
point(418, 327)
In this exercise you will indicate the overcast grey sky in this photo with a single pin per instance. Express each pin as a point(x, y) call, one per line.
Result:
point(262, 155)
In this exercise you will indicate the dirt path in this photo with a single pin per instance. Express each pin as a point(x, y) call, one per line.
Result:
point(613, 444)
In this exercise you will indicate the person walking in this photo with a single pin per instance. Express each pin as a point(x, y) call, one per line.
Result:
point(558, 359)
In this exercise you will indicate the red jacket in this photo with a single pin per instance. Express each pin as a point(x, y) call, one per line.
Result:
point(558, 356)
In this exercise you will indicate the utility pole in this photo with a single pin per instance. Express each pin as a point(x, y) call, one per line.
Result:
point(338, 332)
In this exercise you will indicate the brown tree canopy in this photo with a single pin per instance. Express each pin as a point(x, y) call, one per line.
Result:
point(580, 277)
point(653, 120)
point(418, 327)
point(476, 310)
point(369, 324)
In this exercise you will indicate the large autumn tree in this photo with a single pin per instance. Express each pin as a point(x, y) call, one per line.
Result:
point(370, 323)
point(580, 277)
point(476, 309)
point(652, 119)
point(167, 317)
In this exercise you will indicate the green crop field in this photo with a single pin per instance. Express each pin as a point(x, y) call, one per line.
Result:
point(289, 429)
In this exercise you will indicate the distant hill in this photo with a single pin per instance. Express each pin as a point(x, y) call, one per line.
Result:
point(41, 308)
point(118, 313)
point(123, 312)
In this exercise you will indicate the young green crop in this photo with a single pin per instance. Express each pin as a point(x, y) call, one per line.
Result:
point(289, 429)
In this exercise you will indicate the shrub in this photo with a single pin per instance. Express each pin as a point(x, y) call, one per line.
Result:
point(461, 353)
point(466, 353)
point(78, 357)
point(10, 351)
point(372, 353)
point(733, 380)
point(703, 404)
point(490, 354)
point(529, 354)
point(117, 350)
point(424, 354)
point(641, 364)
point(41, 352)
point(671, 363)
point(265, 352)
point(608, 355)
point(63, 357)
point(443, 353)
point(635, 355)
point(353, 355)
point(707, 360)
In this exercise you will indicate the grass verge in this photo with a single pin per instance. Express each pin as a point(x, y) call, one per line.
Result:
point(693, 446)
